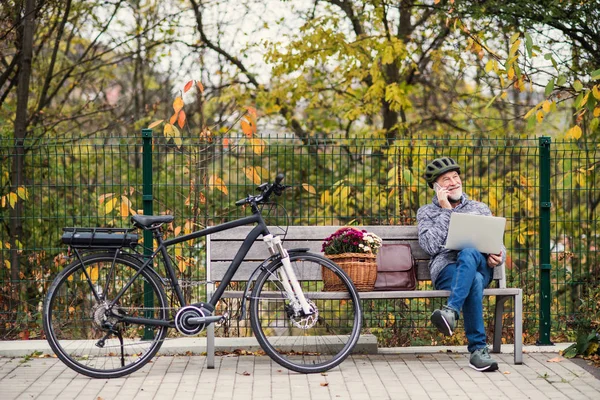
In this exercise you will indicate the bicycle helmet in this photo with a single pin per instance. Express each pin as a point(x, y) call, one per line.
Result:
point(438, 167)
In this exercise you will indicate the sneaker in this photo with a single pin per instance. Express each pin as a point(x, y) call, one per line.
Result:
point(481, 361)
point(445, 320)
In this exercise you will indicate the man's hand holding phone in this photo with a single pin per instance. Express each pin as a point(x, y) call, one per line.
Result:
point(442, 196)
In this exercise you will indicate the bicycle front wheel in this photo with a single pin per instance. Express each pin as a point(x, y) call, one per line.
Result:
point(83, 329)
point(305, 343)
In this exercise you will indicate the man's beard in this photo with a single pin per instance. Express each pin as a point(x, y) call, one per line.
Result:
point(456, 195)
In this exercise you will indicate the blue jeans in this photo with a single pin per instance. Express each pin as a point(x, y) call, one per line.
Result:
point(466, 280)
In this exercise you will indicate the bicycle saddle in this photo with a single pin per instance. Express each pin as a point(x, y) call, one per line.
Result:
point(148, 221)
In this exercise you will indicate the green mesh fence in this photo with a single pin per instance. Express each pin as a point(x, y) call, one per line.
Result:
point(335, 181)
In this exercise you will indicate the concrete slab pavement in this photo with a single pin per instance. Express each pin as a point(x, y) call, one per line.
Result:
point(400, 373)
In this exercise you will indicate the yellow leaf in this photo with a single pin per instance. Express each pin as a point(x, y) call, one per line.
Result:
point(182, 265)
point(3, 201)
point(92, 272)
point(173, 132)
point(258, 145)
point(253, 175)
point(521, 239)
point(530, 205)
point(309, 188)
point(546, 106)
point(218, 183)
point(511, 73)
point(584, 100)
point(125, 206)
point(173, 119)
point(177, 104)
point(103, 197)
point(539, 116)
point(22, 192)
point(514, 48)
point(575, 132)
point(12, 199)
point(155, 123)
point(168, 130)
point(596, 92)
point(326, 198)
point(597, 111)
point(534, 109)
point(200, 87)
point(188, 227)
point(489, 66)
point(110, 205)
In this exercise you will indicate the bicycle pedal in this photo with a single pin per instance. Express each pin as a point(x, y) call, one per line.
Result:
point(223, 318)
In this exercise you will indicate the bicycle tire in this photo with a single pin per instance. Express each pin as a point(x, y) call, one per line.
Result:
point(307, 346)
point(75, 321)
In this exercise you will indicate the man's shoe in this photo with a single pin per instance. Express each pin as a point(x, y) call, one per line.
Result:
point(481, 361)
point(445, 320)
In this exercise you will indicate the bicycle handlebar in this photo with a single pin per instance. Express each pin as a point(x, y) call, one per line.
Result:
point(266, 189)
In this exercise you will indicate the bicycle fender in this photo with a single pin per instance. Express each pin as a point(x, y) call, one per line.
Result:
point(267, 262)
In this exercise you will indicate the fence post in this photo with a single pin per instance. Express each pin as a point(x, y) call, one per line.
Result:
point(147, 207)
point(545, 266)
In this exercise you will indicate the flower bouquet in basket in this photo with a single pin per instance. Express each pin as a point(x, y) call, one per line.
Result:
point(355, 251)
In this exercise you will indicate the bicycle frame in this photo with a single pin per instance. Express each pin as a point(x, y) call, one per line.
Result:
point(258, 230)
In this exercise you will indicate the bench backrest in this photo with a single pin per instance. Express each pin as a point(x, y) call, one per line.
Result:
point(222, 247)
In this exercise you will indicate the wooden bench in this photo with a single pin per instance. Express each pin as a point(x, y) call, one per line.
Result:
point(222, 247)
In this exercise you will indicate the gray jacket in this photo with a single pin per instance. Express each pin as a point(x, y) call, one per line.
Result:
point(433, 222)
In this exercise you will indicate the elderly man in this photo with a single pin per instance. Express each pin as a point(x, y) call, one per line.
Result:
point(465, 273)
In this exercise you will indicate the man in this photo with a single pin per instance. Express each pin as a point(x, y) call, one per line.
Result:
point(465, 273)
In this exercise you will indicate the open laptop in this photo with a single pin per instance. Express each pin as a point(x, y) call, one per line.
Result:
point(485, 233)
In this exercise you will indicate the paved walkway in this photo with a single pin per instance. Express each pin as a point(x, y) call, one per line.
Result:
point(424, 375)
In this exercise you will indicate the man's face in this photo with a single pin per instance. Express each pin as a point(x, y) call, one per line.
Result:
point(452, 183)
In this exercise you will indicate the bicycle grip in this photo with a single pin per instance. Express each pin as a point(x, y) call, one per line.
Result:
point(279, 178)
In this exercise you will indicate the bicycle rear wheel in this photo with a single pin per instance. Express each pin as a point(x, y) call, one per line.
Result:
point(89, 337)
point(313, 343)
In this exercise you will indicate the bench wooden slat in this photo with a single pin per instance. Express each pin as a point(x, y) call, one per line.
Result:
point(392, 232)
point(218, 269)
point(226, 250)
point(412, 294)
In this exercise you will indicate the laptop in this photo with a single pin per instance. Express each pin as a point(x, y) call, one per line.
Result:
point(485, 233)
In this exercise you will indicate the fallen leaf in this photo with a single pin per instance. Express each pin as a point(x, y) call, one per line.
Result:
point(324, 384)
point(246, 373)
point(506, 372)
point(555, 359)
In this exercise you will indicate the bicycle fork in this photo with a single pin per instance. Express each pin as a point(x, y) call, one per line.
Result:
point(287, 275)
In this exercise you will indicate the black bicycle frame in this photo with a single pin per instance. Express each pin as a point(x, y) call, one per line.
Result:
point(258, 230)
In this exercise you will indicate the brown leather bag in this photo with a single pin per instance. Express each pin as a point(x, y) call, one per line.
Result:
point(396, 268)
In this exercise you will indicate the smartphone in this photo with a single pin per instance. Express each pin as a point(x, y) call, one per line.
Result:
point(436, 187)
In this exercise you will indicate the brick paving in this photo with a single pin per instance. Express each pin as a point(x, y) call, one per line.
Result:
point(378, 377)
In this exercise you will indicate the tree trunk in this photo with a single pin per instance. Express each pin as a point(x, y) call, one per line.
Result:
point(17, 178)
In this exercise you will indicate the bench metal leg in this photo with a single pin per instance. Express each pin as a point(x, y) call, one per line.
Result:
point(210, 346)
point(498, 323)
point(519, 328)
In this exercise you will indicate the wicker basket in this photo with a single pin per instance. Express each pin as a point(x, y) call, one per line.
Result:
point(361, 268)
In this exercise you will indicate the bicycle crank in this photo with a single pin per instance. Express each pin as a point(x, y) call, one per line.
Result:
point(191, 320)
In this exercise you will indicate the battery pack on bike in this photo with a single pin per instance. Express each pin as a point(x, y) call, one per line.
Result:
point(99, 237)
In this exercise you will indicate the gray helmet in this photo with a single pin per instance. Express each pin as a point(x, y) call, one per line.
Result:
point(438, 167)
